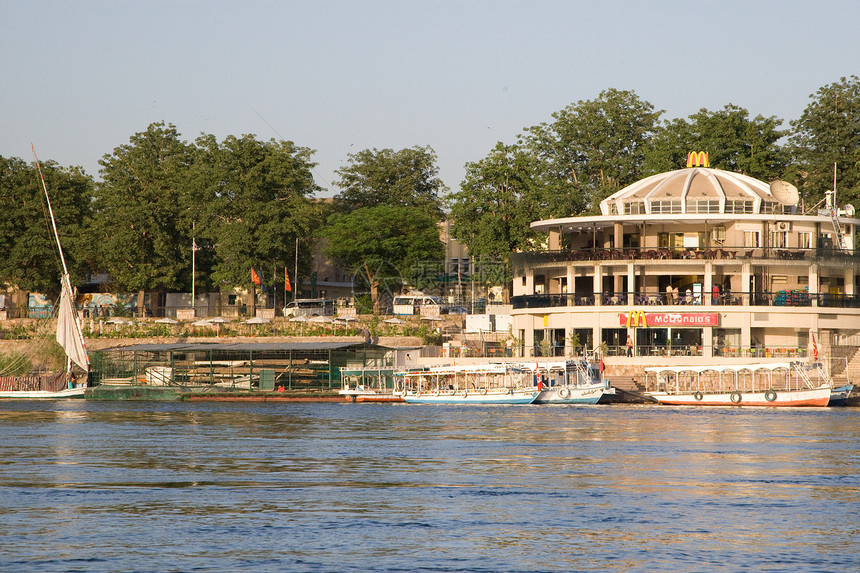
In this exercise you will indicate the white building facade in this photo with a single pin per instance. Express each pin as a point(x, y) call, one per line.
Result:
point(696, 262)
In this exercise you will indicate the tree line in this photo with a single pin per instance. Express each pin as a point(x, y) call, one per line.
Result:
point(245, 203)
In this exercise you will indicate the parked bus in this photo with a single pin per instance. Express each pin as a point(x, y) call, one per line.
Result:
point(309, 307)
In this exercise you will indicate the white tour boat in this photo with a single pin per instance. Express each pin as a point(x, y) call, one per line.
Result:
point(570, 382)
point(468, 384)
point(775, 384)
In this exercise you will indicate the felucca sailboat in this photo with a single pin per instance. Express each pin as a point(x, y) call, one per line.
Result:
point(69, 335)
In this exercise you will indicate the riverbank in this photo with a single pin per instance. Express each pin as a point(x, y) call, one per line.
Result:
point(113, 393)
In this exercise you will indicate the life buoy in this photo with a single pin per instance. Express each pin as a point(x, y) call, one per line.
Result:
point(464, 394)
point(483, 390)
point(563, 393)
point(697, 395)
point(770, 395)
point(436, 393)
point(735, 397)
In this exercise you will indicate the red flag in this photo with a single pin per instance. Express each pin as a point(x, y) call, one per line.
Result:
point(814, 350)
point(287, 286)
point(602, 365)
point(255, 278)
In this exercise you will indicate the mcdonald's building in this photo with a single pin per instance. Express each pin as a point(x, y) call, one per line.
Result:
point(694, 265)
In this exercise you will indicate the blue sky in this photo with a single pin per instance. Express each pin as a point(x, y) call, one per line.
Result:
point(78, 78)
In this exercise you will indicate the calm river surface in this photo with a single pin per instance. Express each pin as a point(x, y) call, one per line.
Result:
point(139, 486)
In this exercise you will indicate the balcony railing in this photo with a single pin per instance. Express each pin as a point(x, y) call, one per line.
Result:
point(647, 350)
point(780, 298)
point(662, 254)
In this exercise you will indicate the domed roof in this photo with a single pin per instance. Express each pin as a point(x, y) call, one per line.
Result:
point(694, 190)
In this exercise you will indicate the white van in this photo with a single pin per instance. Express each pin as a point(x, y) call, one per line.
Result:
point(309, 307)
point(411, 304)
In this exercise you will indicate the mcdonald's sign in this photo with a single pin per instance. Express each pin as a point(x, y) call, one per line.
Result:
point(637, 318)
point(698, 159)
point(660, 319)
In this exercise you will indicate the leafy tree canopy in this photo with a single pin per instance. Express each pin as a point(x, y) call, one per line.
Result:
point(733, 142)
point(828, 133)
point(500, 196)
point(30, 258)
point(408, 177)
point(382, 244)
point(595, 147)
point(256, 199)
point(141, 210)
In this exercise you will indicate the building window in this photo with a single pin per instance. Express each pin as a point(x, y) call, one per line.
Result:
point(739, 206)
point(634, 208)
point(752, 239)
point(703, 206)
point(804, 240)
point(670, 240)
point(666, 206)
point(778, 239)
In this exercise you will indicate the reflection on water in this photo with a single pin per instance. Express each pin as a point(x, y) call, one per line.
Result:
point(214, 487)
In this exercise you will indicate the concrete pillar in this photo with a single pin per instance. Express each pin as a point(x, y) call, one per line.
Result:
point(631, 283)
point(708, 342)
point(813, 283)
point(745, 284)
point(598, 284)
point(571, 283)
point(708, 285)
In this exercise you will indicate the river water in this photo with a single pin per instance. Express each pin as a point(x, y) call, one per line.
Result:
point(140, 486)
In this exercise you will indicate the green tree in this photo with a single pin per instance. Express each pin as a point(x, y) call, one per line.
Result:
point(255, 199)
point(498, 199)
point(30, 258)
point(593, 148)
point(828, 133)
point(382, 244)
point(733, 141)
point(141, 211)
point(408, 177)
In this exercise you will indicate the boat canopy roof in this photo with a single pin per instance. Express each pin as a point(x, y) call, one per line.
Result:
point(722, 368)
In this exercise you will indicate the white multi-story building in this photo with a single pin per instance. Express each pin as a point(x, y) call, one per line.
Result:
point(697, 262)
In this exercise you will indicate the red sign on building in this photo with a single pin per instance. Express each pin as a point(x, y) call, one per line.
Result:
point(666, 319)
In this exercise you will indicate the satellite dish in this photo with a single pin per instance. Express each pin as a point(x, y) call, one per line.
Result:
point(849, 210)
point(784, 192)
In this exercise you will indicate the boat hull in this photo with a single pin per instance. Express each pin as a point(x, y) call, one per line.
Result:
point(353, 395)
point(571, 395)
point(43, 394)
point(769, 398)
point(384, 398)
point(479, 397)
point(839, 396)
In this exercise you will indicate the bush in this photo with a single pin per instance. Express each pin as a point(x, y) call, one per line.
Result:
point(14, 363)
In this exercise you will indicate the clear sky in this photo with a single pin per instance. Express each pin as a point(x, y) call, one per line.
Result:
point(78, 78)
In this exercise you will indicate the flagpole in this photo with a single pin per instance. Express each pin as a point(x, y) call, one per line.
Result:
point(296, 274)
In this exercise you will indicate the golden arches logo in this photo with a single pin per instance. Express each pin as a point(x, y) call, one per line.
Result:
point(636, 318)
point(698, 159)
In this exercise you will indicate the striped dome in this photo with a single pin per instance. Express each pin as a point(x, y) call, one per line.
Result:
point(693, 190)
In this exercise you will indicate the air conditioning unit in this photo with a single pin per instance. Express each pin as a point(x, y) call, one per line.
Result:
point(781, 226)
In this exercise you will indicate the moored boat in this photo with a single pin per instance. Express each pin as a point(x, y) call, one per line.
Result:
point(839, 396)
point(369, 384)
point(69, 336)
point(571, 382)
point(776, 384)
point(468, 384)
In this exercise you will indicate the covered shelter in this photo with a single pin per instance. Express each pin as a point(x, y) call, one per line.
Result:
point(311, 366)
